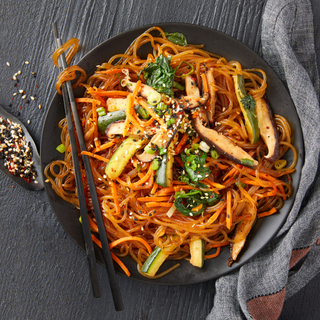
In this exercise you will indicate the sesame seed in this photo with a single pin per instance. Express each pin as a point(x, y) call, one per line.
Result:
point(28, 121)
point(32, 97)
point(24, 96)
point(8, 64)
point(20, 91)
point(40, 106)
point(26, 62)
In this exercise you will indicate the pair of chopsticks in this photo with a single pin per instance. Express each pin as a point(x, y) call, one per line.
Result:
point(70, 106)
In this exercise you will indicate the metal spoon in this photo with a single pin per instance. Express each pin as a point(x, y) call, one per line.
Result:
point(36, 184)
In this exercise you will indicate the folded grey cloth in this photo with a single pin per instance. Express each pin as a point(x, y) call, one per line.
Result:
point(259, 288)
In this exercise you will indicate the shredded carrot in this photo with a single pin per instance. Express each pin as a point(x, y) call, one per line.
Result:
point(149, 199)
point(121, 264)
point(229, 212)
point(195, 140)
point(197, 208)
point(145, 178)
point(144, 104)
point(115, 196)
point(90, 100)
point(204, 82)
point(131, 238)
point(210, 256)
point(221, 166)
point(114, 257)
point(110, 71)
point(109, 94)
point(181, 143)
point(93, 225)
point(90, 154)
point(158, 204)
point(104, 146)
point(214, 184)
point(267, 213)
point(154, 188)
point(178, 159)
point(164, 191)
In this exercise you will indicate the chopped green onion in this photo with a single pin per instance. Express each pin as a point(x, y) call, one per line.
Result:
point(143, 113)
point(154, 98)
point(279, 164)
point(162, 106)
point(214, 154)
point(101, 111)
point(178, 85)
point(171, 121)
point(155, 164)
point(247, 162)
point(162, 150)
point(150, 149)
point(61, 148)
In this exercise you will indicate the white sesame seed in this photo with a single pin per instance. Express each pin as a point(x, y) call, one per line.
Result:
point(15, 94)
point(20, 91)
point(26, 62)
point(40, 106)
point(8, 64)
point(19, 72)
point(28, 121)
point(32, 98)
point(24, 96)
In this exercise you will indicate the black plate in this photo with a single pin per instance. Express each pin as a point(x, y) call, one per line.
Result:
point(263, 231)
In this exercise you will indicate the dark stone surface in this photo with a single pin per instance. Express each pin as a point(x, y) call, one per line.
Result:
point(43, 273)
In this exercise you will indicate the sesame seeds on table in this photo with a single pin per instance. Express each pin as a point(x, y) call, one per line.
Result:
point(16, 151)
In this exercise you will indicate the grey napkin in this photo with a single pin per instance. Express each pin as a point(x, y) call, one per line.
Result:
point(259, 288)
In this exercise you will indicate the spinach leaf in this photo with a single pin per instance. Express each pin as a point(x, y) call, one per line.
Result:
point(177, 38)
point(159, 75)
point(194, 202)
point(193, 164)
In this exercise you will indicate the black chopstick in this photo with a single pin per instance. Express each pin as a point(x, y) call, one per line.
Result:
point(70, 102)
point(82, 201)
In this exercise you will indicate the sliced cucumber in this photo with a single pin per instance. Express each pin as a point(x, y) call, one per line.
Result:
point(122, 156)
point(154, 261)
point(197, 251)
point(249, 113)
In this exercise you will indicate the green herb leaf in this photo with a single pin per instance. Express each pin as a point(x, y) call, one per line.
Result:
point(185, 203)
point(193, 164)
point(177, 38)
point(159, 75)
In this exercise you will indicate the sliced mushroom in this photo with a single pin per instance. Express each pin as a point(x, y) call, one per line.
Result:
point(241, 232)
point(223, 145)
point(191, 102)
point(268, 130)
point(211, 105)
point(191, 87)
point(193, 90)
point(117, 128)
point(145, 89)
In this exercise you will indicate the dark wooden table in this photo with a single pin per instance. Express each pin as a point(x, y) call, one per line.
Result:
point(43, 272)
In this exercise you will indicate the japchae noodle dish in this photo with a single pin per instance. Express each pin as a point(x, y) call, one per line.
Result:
point(185, 152)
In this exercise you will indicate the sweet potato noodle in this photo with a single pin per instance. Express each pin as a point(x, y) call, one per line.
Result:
point(134, 206)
